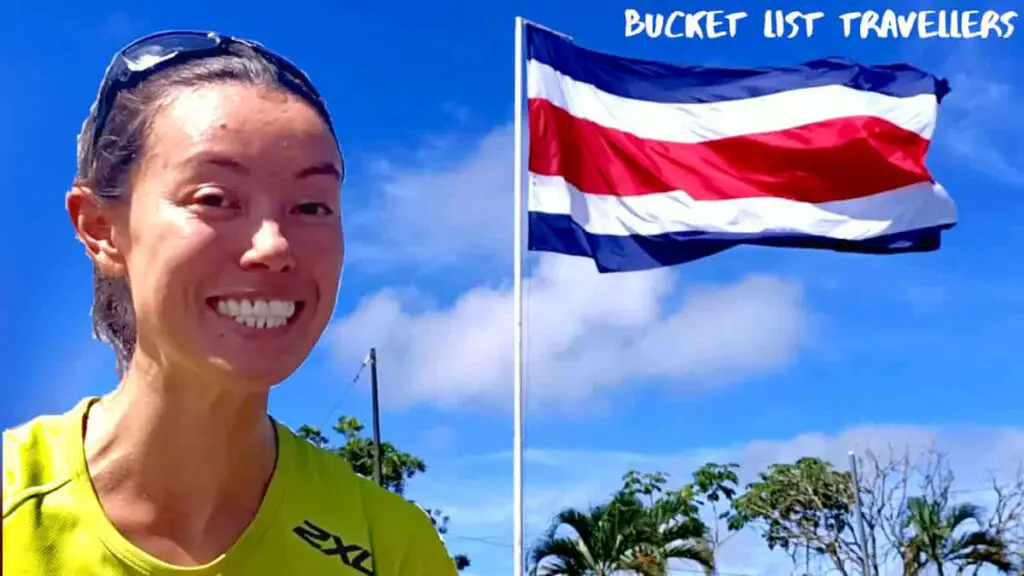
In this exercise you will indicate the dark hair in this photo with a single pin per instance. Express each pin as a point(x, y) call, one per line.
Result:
point(106, 167)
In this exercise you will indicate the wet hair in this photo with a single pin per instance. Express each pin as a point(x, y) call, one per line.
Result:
point(106, 163)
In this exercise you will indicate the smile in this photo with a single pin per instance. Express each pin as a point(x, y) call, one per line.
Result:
point(262, 314)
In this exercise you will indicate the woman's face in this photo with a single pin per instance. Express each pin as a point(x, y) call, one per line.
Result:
point(232, 237)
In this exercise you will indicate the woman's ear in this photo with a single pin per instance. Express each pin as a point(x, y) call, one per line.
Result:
point(92, 219)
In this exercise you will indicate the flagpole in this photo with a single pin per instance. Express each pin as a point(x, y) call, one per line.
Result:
point(518, 189)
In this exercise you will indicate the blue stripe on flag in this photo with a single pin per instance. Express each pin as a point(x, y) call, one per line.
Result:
point(559, 233)
point(673, 83)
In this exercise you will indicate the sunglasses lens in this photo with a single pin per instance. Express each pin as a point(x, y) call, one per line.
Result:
point(155, 50)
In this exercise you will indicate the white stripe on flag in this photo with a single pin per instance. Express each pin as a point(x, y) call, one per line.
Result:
point(693, 123)
point(653, 214)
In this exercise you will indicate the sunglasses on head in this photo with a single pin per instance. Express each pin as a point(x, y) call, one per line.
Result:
point(150, 54)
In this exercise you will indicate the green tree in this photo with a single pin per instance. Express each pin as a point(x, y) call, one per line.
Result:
point(808, 507)
point(640, 529)
point(669, 526)
point(397, 467)
point(939, 539)
point(600, 541)
point(802, 506)
point(714, 486)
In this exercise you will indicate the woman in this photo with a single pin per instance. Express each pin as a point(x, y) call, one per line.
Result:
point(207, 197)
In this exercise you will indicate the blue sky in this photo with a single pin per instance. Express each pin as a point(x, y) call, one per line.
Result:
point(753, 355)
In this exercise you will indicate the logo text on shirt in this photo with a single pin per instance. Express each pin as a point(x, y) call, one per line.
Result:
point(351, 555)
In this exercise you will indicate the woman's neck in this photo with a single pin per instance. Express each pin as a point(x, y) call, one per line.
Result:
point(187, 461)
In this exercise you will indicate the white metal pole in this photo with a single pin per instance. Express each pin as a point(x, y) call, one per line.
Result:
point(865, 556)
point(517, 306)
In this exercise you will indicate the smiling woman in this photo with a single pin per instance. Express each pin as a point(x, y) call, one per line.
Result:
point(208, 198)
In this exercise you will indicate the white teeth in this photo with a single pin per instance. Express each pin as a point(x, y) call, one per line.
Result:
point(259, 313)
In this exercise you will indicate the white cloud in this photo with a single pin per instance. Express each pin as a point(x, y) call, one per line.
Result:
point(585, 333)
point(481, 508)
point(449, 202)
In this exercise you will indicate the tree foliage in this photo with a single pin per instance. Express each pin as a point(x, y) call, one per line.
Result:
point(639, 530)
point(601, 541)
point(805, 505)
point(914, 521)
point(397, 466)
point(714, 487)
point(909, 512)
point(939, 539)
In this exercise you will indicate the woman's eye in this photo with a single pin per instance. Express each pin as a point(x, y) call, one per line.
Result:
point(314, 209)
point(212, 200)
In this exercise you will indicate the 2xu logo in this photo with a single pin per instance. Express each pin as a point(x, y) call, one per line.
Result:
point(354, 556)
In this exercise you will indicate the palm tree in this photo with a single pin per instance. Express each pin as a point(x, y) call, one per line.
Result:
point(624, 535)
point(602, 542)
point(671, 529)
point(938, 539)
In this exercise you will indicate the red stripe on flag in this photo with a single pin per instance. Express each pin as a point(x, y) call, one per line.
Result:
point(827, 161)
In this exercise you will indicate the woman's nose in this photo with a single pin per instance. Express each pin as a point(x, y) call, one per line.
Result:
point(270, 249)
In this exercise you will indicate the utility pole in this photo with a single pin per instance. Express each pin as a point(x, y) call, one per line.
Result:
point(378, 476)
point(865, 556)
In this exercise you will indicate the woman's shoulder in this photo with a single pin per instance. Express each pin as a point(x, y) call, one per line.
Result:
point(330, 479)
point(319, 467)
point(403, 533)
point(35, 457)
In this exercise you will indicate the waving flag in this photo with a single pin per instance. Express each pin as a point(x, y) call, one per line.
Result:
point(639, 164)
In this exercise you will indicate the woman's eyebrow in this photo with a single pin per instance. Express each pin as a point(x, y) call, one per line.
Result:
point(223, 161)
point(219, 160)
point(322, 169)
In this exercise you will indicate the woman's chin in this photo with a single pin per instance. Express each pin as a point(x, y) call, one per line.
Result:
point(254, 371)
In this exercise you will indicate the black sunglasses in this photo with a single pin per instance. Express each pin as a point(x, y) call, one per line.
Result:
point(150, 54)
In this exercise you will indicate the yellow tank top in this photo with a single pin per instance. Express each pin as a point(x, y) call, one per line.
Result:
point(318, 517)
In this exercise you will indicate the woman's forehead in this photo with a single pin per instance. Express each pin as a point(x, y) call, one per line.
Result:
point(239, 118)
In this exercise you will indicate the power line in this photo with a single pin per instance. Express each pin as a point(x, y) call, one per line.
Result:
point(493, 541)
point(979, 490)
point(344, 392)
point(695, 571)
